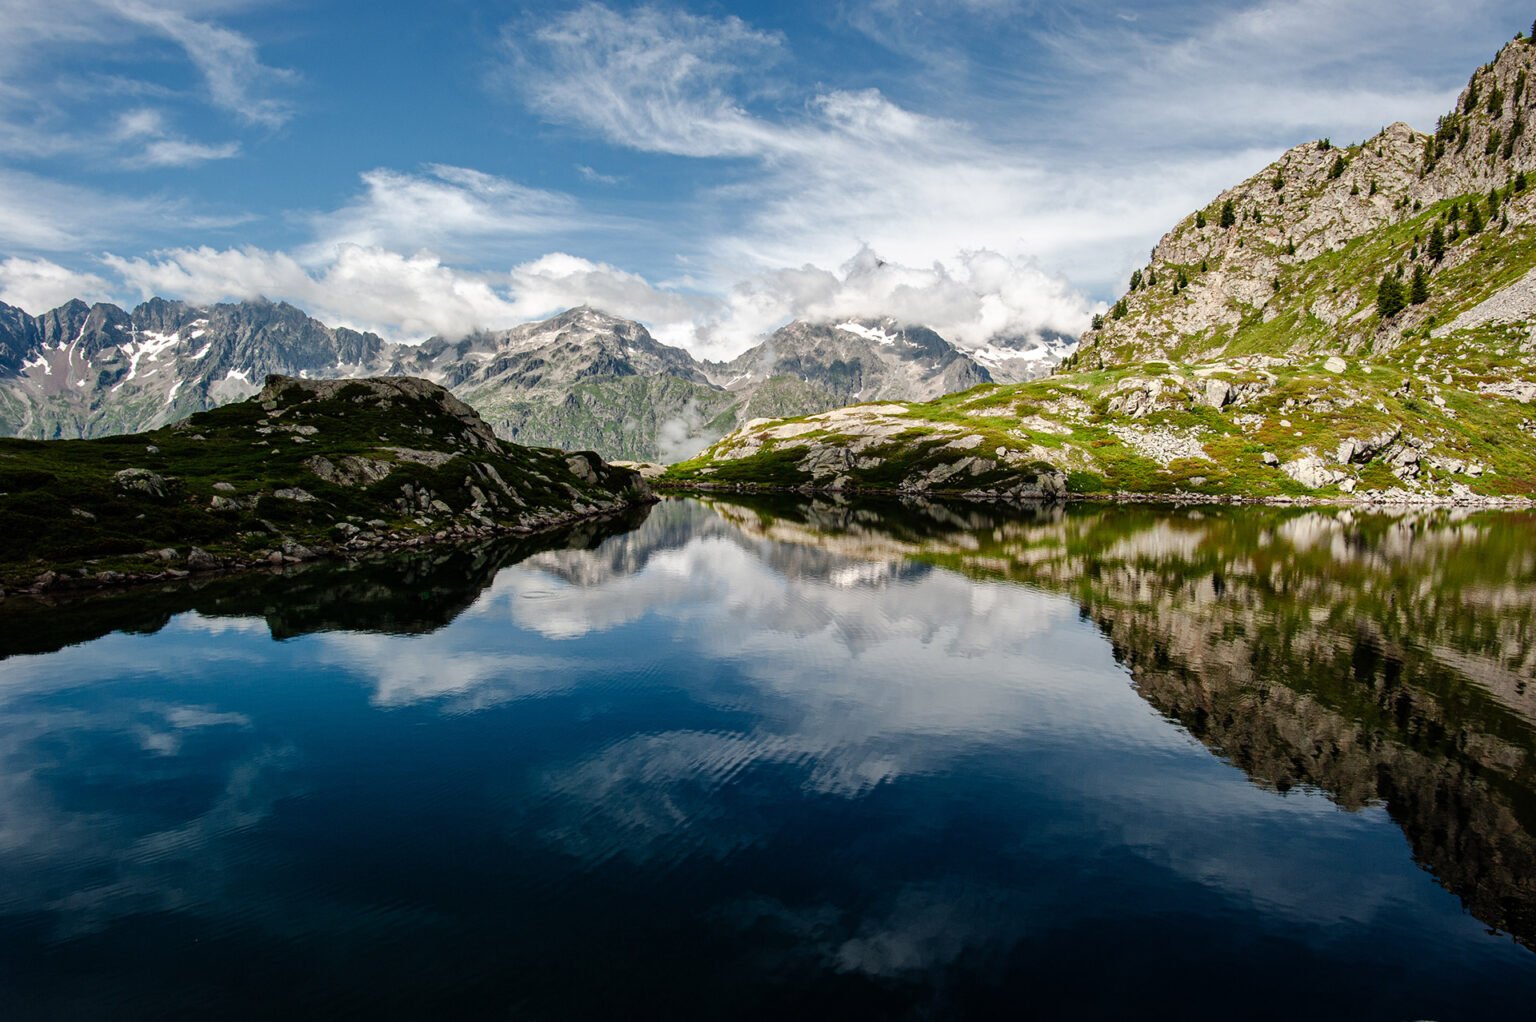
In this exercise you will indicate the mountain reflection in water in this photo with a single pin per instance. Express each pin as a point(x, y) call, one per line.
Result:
point(753, 756)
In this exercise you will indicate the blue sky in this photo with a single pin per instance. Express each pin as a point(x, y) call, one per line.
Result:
point(712, 169)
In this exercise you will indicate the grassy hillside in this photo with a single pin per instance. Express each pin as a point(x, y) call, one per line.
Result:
point(1154, 430)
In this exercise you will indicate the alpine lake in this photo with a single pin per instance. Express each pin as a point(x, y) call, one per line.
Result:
point(792, 757)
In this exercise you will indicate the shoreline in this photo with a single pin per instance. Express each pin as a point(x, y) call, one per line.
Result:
point(207, 566)
point(1178, 498)
point(200, 564)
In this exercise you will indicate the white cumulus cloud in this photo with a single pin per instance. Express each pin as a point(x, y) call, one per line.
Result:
point(37, 285)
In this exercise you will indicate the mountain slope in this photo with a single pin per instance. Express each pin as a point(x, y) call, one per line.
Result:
point(583, 379)
point(81, 371)
point(810, 367)
point(1251, 356)
point(305, 467)
point(1298, 268)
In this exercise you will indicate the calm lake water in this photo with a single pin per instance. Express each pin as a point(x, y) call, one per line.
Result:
point(793, 758)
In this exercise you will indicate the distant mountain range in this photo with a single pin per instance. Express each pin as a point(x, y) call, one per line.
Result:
point(581, 380)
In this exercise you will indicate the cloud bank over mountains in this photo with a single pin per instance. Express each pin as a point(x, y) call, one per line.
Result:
point(986, 167)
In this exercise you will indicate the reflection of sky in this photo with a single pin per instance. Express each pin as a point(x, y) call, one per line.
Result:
point(687, 712)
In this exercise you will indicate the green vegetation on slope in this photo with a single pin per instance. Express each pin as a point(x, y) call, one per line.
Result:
point(1156, 430)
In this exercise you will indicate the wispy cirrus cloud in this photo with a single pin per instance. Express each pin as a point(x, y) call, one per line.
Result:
point(40, 214)
point(231, 66)
point(50, 108)
point(451, 211)
point(821, 174)
point(156, 145)
point(658, 80)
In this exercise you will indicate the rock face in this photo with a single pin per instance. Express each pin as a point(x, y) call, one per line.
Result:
point(1261, 353)
point(82, 371)
point(872, 447)
point(581, 380)
point(1259, 278)
point(303, 468)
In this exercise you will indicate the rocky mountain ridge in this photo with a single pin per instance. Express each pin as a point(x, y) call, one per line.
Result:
point(1289, 261)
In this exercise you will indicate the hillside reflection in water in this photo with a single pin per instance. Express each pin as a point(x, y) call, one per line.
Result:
point(752, 757)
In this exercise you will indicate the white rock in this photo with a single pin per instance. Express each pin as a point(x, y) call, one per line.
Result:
point(1312, 472)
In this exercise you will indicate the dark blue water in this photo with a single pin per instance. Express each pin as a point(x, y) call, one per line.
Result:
point(793, 759)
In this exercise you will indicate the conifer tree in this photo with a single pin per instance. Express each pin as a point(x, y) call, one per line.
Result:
point(1436, 244)
point(1390, 298)
point(1228, 214)
point(1199, 218)
point(1183, 281)
point(1119, 310)
point(1474, 218)
point(1337, 170)
point(1418, 290)
point(1135, 280)
point(1098, 322)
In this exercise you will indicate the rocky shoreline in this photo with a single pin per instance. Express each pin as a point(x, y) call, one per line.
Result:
point(200, 563)
point(1392, 501)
